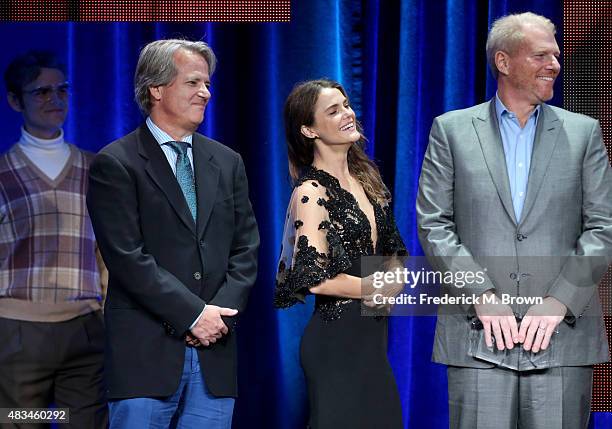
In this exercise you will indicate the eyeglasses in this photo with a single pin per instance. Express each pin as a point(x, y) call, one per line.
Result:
point(45, 93)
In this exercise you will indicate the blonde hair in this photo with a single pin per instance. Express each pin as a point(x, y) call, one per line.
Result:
point(506, 34)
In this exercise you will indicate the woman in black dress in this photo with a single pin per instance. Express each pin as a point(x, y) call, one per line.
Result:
point(338, 213)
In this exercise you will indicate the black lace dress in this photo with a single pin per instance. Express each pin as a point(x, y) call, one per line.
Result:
point(343, 354)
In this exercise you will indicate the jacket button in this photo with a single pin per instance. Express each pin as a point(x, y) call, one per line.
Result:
point(513, 276)
point(169, 329)
point(197, 275)
point(202, 243)
point(520, 237)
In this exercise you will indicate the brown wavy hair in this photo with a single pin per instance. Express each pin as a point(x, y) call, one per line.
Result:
point(299, 111)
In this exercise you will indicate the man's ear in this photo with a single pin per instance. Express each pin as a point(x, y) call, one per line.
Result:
point(502, 62)
point(307, 132)
point(14, 101)
point(156, 92)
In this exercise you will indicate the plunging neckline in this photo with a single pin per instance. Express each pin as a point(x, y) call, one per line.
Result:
point(354, 200)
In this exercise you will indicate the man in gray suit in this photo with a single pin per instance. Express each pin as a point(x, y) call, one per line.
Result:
point(521, 192)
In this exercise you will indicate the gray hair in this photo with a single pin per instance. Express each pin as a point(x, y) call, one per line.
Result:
point(156, 66)
point(506, 34)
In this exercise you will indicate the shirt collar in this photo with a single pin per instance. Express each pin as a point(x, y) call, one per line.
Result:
point(501, 109)
point(163, 137)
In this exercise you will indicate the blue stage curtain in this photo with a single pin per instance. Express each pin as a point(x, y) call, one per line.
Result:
point(403, 63)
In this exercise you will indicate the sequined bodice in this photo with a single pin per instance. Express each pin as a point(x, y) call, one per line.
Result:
point(349, 221)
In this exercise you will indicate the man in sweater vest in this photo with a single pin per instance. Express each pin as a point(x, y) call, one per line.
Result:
point(51, 327)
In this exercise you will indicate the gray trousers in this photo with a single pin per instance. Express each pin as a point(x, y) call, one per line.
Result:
point(499, 398)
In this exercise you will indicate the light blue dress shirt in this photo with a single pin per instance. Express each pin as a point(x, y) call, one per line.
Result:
point(162, 137)
point(518, 147)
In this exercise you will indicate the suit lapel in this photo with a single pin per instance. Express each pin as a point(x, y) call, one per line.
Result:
point(487, 129)
point(159, 170)
point(544, 144)
point(207, 179)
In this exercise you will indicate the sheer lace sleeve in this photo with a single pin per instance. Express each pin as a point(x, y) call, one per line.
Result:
point(312, 249)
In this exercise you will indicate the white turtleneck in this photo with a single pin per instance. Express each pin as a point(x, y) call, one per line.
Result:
point(49, 155)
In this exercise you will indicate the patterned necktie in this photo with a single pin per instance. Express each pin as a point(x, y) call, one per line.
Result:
point(184, 175)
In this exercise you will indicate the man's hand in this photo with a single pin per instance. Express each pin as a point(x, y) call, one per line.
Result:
point(540, 323)
point(210, 326)
point(192, 341)
point(499, 319)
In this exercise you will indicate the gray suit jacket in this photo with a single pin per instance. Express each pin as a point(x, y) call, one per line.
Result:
point(561, 245)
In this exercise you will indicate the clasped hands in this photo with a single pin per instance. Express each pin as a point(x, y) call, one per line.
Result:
point(372, 295)
point(535, 329)
point(210, 327)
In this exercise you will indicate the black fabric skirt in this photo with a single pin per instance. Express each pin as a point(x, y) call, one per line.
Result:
point(348, 375)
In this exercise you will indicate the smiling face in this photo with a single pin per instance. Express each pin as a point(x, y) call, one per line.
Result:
point(529, 74)
point(334, 120)
point(178, 108)
point(43, 104)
